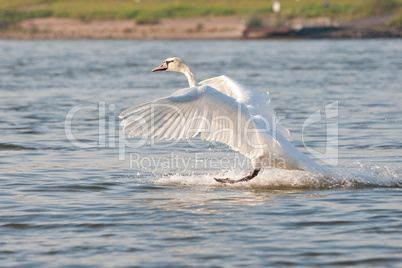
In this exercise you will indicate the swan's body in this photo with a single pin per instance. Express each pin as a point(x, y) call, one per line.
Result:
point(220, 109)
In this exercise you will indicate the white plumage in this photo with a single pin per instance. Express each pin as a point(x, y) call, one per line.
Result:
point(219, 109)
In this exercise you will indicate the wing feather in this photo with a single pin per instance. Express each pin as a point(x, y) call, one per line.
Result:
point(203, 109)
point(260, 104)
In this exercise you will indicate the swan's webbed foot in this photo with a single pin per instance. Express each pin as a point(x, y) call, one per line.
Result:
point(246, 178)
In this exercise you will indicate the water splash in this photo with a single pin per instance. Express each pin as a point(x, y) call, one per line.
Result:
point(365, 176)
point(360, 175)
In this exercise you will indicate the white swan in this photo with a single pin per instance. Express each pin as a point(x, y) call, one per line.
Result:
point(220, 109)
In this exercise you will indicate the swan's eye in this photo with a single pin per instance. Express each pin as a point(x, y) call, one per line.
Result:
point(169, 61)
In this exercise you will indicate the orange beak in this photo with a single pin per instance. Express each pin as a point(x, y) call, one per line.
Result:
point(163, 67)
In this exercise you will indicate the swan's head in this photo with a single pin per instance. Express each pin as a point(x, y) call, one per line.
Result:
point(172, 64)
point(178, 65)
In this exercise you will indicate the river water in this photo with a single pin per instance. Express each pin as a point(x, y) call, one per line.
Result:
point(76, 193)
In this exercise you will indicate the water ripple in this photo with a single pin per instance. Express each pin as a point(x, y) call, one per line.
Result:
point(81, 207)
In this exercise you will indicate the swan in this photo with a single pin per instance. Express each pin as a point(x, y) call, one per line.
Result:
point(219, 109)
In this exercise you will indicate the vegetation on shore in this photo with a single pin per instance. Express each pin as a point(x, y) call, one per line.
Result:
point(144, 11)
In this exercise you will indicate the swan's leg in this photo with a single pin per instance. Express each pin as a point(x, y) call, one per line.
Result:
point(246, 178)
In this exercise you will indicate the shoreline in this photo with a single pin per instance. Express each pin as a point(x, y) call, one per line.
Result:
point(201, 28)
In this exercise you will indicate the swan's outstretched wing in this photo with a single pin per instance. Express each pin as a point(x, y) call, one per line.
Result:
point(227, 86)
point(204, 110)
point(259, 104)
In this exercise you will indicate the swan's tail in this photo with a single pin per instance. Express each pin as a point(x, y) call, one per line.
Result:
point(295, 159)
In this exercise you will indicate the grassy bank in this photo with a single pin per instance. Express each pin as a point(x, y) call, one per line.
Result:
point(151, 10)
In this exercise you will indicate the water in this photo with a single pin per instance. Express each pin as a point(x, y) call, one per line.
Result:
point(107, 205)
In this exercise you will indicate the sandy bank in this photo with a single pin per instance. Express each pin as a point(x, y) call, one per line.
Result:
point(191, 28)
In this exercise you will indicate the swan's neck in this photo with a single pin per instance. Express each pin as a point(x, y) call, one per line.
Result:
point(192, 79)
